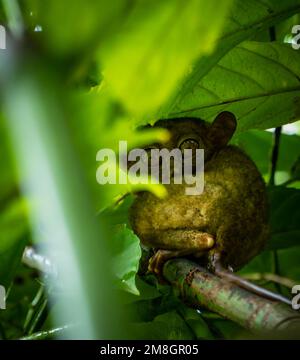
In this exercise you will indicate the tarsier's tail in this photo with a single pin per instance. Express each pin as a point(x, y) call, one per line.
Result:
point(251, 287)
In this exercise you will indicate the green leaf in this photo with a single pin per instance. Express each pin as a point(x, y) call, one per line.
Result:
point(13, 213)
point(98, 123)
point(258, 145)
point(157, 44)
point(226, 329)
point(284, 29)
point(196, 323)
point(70, 26)
point(285, 217)
point(127, 252)
point(13, 230)
point(258, 82)
point(8, 183)
point(262, 263)
point(245, 19)
point(289, 263)
point(168, 326)
point(117, 214)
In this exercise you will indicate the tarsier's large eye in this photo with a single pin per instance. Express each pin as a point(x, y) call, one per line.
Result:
point(190, 143)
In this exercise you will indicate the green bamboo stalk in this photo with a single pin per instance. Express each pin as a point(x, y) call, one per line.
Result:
point(199, 288)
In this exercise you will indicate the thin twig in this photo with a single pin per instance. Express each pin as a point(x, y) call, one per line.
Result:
point(274, 161)
point(275, 153)
point(270, 277)
point(49, 334)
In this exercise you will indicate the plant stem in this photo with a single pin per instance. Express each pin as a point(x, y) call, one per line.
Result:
point(275, 153)
point(274, 160)
point(271, 277)
point(47, 335)
point(197, 287)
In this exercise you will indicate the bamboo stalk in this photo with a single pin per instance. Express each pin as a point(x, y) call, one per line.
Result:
point(199, 288)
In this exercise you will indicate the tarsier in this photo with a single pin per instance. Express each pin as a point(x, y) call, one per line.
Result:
point(226, 225)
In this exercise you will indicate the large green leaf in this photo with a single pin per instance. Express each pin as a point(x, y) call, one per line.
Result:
point(246, 18)
point(155, 47)
point(13, 214)
point(97, 122)
point(289, 263)
point(258, 82)
point(258, 145)
point(127, 253)
point(70, 26)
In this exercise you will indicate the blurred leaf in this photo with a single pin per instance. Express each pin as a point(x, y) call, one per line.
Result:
point(21, 293)
point(285, 217)
point(98, 123)
point(264, 88)
point(8, 181)
point(56, 186)
point(157, 43)
point(245, 19)
point(126, 256)
point(13, 228)
point(169, 326)
point(226, 329)
point(2, 16)
point(117, 214)
point(13, 213)
point(69, 26)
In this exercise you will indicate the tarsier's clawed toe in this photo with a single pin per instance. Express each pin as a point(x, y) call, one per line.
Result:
point(157, 262)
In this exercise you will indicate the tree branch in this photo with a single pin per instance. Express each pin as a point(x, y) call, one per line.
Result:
point(270, 277)
point(199, 288)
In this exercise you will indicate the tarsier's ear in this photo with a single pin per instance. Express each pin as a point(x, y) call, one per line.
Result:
point(222, 129)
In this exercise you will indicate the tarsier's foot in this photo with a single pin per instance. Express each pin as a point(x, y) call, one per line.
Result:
point(196, 243)
point(156, 263)
point(227, 274)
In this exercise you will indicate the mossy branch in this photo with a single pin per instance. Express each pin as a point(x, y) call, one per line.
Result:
point(199, 288)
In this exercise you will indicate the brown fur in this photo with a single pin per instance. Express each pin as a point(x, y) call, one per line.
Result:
point(232, 208)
